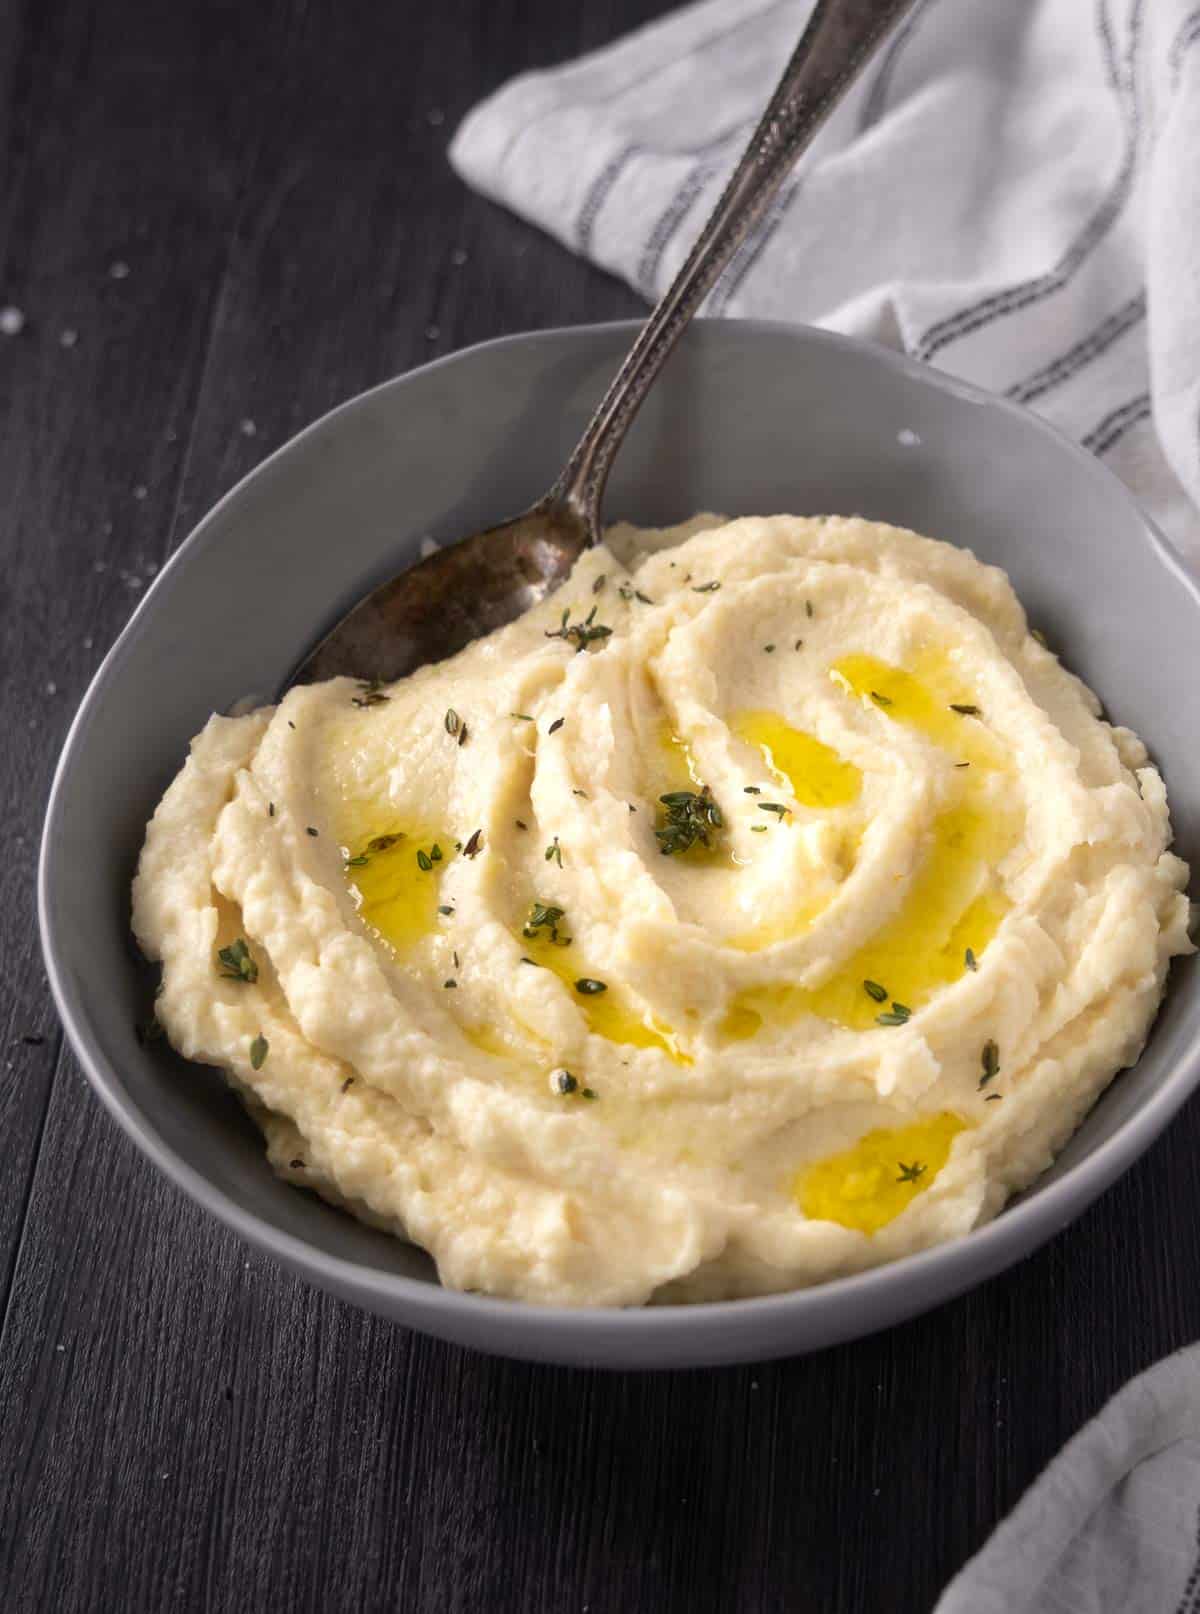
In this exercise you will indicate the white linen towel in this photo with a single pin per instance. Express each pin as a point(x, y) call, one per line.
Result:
point(1113, 1525)
point(1010, 192)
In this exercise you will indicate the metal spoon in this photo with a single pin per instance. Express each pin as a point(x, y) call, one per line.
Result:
point(461, 593)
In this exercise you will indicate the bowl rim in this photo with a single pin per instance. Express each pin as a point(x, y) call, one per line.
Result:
point(970, 1257)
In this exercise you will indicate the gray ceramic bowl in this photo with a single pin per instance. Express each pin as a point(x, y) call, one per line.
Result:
point(749, 418)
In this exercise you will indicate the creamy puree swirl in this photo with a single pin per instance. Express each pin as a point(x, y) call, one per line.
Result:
point(908, 905)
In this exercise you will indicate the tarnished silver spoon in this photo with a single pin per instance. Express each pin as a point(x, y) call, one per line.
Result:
point(463, 592)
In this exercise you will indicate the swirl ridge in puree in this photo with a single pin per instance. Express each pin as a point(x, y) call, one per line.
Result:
point(767, 904)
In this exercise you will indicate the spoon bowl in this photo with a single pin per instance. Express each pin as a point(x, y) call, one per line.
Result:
point(451, 597)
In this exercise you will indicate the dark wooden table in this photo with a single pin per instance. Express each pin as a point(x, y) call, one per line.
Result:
point(219, 220)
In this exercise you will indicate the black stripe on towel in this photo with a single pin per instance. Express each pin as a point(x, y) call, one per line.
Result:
point(677, 209)
point(1114, 425)
point(1090, 347)
point(751, 250)
point(998, 304)
point(598, 192)
point(1189, 1603)
point(1185, 38)
point(600, 189)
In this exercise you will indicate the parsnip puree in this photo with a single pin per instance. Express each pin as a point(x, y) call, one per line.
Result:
point(765, 905)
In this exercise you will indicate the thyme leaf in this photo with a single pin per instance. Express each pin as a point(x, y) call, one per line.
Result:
point(237, 962)
point(545, 916)
point(690, 816)
point(989, 1061)
point(897, 1015)
point(580, 634)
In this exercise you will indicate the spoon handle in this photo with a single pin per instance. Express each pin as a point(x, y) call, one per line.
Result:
point(834, 48)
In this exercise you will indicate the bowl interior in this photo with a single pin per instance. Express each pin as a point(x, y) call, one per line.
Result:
point(749, 418)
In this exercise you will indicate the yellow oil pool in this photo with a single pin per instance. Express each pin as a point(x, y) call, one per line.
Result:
point(813, 772)
point(677, 765)
point(867, 1186)
point(396, 875)
point(931, 699)
point(814, 775)
point(954, 901)
point(922, 948)
point(676, 769)
point(608, 1013)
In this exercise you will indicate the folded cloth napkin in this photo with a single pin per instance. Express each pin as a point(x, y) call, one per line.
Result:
point(1113, 1525)
point(1011, 192)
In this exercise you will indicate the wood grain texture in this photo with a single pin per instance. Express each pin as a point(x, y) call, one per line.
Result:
point(182, 1426)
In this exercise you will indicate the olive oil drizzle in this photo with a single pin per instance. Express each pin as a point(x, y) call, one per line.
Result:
point(954, 903)
point(867, 1185)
